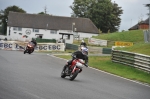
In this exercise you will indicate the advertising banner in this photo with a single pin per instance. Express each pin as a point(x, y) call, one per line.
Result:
point(123, 43)
point(97, 42)
point(14, 45)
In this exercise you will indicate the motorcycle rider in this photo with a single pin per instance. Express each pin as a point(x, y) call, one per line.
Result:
point(83, 43)
point(34, 42)
point(80, 55)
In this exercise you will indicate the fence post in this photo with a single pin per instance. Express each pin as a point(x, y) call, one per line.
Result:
point(146, 36)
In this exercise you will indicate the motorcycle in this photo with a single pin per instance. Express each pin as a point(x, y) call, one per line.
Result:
point(30, 48)
point(73, 70)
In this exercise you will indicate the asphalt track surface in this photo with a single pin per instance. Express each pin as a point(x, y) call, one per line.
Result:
point(37, 76)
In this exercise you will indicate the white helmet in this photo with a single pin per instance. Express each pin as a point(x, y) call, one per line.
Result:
point(84, 51)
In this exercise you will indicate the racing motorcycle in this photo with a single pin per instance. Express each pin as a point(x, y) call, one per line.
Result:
point(30, 48)
point(73, 70)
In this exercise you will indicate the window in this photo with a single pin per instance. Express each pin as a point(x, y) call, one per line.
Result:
point(39, 35)
point(17, 28)
point(67, 37)
point(53, 31)
point(35, 30)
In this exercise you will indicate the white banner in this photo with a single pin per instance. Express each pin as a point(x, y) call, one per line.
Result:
point(14, 45)
point(97, 42)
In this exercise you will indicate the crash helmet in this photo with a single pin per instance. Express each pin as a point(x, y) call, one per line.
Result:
point(84, 51)
point(33, 39)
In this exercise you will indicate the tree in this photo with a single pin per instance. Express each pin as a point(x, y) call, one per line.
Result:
point(104, 13)
point(4, 16)
point(45, 11)
point(41, 13)
point(80, 8)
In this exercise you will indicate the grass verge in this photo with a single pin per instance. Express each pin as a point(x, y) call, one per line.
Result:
point(104, 63)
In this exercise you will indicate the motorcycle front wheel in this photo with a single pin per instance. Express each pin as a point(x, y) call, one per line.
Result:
point(29, 52)
point(24, 51)
point(74, 75)
point(63, 75)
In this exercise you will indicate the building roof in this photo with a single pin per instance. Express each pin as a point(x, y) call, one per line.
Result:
point(135, 27)
point(145, 21)
point(50, 22)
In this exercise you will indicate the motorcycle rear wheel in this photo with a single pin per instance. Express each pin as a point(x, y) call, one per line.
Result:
point(74, 75)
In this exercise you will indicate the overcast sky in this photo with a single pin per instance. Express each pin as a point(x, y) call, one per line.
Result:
point(134, 10)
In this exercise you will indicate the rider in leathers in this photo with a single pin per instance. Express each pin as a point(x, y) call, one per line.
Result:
point(34, 42)
point(83, 43)
point(80, 55)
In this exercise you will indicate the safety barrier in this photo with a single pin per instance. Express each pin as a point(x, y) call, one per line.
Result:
point(71, 46)
point(136, 60)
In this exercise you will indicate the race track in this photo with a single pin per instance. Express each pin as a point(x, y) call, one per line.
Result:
point(37, 76)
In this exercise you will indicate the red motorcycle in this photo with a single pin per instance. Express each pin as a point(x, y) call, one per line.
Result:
point(73, 70)
point(30, 48)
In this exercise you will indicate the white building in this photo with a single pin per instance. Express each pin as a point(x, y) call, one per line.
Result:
point(23, 26)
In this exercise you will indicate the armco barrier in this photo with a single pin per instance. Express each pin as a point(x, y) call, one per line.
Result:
point(136, 60)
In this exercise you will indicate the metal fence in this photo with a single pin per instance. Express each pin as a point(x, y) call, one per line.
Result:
point(146, 36)
point(139, 61)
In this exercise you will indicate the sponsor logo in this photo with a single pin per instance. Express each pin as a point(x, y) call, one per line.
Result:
point(28, 32)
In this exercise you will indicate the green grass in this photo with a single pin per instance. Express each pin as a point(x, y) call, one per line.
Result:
point(142, 48)
point(135, 36)
point(104, 63)
point(77, 42)
point(128, 36)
